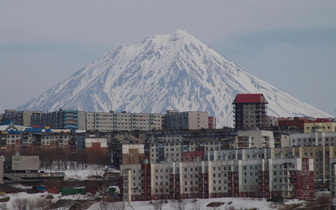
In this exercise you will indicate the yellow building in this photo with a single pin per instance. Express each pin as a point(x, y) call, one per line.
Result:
point(320, 125)
point(323, 157)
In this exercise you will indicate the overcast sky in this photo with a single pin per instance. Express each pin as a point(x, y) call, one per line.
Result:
point(290, 44)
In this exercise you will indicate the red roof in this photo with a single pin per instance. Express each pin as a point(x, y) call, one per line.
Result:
point(321, 120)
point(250, 98)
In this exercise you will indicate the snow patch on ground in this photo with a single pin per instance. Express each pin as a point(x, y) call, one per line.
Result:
point(236, 203)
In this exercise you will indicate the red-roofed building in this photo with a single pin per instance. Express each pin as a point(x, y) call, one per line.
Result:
point(249, 98)
point(318, 120)
point(249, 111)
point(320, 125)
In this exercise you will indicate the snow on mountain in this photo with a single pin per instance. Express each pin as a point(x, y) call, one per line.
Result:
point(165, 72)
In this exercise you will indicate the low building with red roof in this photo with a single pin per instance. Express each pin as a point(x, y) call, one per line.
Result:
point(320, 125)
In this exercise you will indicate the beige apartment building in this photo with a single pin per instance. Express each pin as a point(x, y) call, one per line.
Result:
point(111, 121)
point(323, 157)
point(320, 126)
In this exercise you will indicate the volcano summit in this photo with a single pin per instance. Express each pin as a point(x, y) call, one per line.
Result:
point(165, 72)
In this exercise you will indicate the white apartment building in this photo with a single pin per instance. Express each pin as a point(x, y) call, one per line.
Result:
point(238, 154)
point(111, 121)
point(170, 147)
point(312, 139)
point(261, 178)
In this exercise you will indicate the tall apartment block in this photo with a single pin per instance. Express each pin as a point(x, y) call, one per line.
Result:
point(191, 120)
point(249, 111)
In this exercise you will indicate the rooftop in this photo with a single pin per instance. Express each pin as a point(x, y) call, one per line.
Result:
point(250, 98)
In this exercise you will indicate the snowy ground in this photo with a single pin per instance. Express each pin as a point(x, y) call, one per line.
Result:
point(32, 201)
point(200, 204)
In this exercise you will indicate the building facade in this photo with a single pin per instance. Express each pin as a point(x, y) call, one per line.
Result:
point(254, 139)
point(296, 123)
point(111, 121)
point(19, 117)
point(320, 126)
point(191, 120)
point(249, 111)
point(61, 119)
point(259, 178)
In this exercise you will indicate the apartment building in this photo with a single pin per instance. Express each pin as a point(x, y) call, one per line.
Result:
point(312, 139)
point(271, 121)
point(296, 123)
point(320, 126)
point(281, 139)
point(211, 122)
point(19, 117)
point(171, 147)
point(56, 141)
point(165, 148)
point(61, 119)
point(111, 121)
point(16, 141)
point(332, 177)
point(238, 154)
point(323, 157)
point(254, 139)
point(260, 178)
point(191, 120)
point(127, 153)
point(135, 182)
point(249, 111)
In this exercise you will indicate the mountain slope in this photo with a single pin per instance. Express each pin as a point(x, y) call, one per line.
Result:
point(171, 71)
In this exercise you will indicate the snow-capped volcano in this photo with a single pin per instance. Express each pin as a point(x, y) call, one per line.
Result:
point(166, 72)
